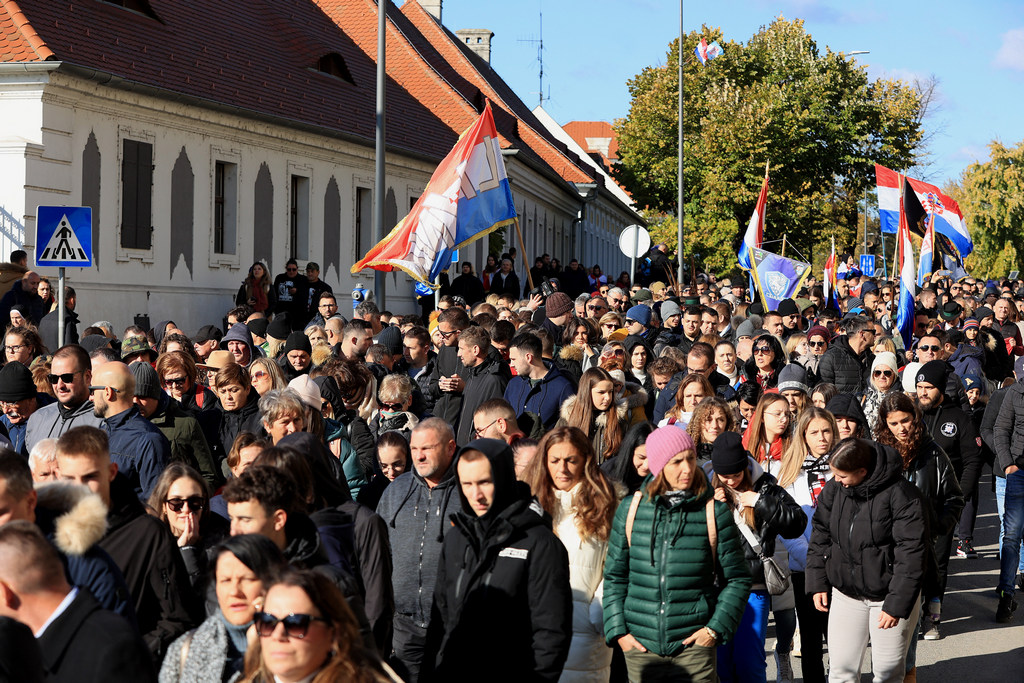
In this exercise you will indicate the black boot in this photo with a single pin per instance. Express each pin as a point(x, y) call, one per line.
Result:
point(1007, 605)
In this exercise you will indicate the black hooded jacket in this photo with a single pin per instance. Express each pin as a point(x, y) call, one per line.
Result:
point(869, 541)
point(234, 422)
point(509, 565)
point(847, 405)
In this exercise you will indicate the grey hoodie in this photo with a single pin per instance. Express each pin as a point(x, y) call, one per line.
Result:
point(240, 332)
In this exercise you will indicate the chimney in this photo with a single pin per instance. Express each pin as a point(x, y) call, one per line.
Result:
point(433, 8)
point(478, 40)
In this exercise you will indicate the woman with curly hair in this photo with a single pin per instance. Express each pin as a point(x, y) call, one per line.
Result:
point(256, 291)
point(568, 484)
point(711, 417)
point(307, 632)
point(692, 390)
point(595, 410)
point(23, 344)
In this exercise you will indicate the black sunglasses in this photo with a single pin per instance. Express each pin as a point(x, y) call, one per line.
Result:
point(882, 373)
point(815, 343)
point(762, 349)
point(295, 625)
point(929, 348)
point(67, 377)
point(195, 503)
point(393, 407)
point(175, 381)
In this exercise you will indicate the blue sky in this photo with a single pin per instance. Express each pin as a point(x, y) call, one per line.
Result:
point(592, 47)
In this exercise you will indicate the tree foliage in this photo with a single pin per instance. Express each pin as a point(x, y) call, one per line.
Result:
point(991, 197)
point(815, 118)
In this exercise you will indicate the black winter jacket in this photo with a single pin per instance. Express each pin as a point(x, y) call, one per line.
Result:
point(953, 430)
point(483, 382)
point(869, 541)
point(933, 475)
point(234, 422)
point(447, 404)
point(144, 549)
point(776, 514)
point(844, 368)
point(507, 562)
point(1008, 429)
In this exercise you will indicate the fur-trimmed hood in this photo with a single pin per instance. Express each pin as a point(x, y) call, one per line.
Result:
point(635, 396)
point(75, 516)
point(571, 352)
point(622, 408)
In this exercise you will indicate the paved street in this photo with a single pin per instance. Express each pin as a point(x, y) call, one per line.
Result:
point(974, 647)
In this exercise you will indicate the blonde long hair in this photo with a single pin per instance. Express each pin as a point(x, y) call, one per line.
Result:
point(797, 451)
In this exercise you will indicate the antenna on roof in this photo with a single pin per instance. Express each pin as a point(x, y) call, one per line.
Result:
point(540, 60)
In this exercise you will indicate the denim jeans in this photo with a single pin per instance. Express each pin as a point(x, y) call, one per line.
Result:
point(1013, 530)
point(1000, 494)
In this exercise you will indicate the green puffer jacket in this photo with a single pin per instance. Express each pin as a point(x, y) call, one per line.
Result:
point(661, 589)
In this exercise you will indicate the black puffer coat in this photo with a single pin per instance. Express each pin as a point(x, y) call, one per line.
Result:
point(234, 422)
point(844, 368)
point(868, 541)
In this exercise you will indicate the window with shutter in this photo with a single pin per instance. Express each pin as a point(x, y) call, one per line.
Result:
point(137, 195)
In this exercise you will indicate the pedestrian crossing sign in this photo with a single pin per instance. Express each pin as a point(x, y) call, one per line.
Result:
point(64, 236)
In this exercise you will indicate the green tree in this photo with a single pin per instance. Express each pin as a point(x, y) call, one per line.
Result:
point(815, 118)
point(991, 197)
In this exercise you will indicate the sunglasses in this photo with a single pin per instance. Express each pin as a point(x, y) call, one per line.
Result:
point(98, 387)
point(195, 503)
point(260, 374)
point(762, 349)
point(393, 407)
point(446, 335)
point(882, 373)
point(175, 381)
point(931, 347)
point(67, 378)
point(610, 326)
point(295, 625)
point(815, 344)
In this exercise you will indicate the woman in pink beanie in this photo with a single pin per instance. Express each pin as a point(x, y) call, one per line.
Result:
point(661, 604)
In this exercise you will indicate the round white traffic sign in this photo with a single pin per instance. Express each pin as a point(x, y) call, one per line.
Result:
point(632, 244)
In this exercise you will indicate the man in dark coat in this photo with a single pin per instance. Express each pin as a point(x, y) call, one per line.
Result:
point(538, 390)
point(23, 292)
point(505, 281)
point(292, 292)
point(447, 379)
point(501, 558)
point(50, 323)
point(140, 544)
point(79, 640)
point(847, 362)
point(574, 280)
point(486, 378)
point(467, 285)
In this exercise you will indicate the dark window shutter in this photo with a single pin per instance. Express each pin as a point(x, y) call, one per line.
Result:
point(144, 221)
point(129, 194)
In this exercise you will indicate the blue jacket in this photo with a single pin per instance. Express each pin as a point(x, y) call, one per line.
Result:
point(16, 432)
point(544, 398)
point(140, 450)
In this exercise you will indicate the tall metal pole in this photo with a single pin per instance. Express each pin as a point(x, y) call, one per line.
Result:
point(60, 307)
point(380, 188)
point(679, 199)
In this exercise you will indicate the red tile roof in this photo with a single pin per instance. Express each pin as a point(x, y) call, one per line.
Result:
point(581, 130)
point(259, 56)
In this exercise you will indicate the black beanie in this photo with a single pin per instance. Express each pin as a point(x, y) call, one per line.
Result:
point(16, 383)
point(728, 456)
point(788, 307)
point(258, 327)
point(933, 372)
point(279, 327)
point(298, 341)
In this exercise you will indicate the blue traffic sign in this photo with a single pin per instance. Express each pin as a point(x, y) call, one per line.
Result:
point(64, 236)
point(867, 265)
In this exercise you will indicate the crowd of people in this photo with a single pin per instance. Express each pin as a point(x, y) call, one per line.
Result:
point(584, 481)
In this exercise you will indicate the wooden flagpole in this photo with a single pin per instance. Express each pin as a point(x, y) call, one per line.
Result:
point(522, 247)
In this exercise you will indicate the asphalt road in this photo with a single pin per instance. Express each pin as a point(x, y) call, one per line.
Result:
point(973, 648)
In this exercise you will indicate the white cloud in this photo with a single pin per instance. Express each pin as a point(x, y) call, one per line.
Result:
point(1011, 52)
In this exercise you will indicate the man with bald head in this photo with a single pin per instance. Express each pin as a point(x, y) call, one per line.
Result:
point(23, 292)
point(137, 446)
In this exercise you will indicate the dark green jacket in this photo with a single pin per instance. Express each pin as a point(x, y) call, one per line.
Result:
point(661, 589)
point(188, 444)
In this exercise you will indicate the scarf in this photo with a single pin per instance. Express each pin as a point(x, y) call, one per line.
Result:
point(260, 297)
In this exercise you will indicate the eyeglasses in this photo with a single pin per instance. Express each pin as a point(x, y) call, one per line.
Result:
point(446, 335)
point(815, 344)
point(929, 347)
point(175, 381)
point(393, 407)
point(195, 503)
point(762, 350)
point(295, 625)
point(15, 348)
point(98, 387)
point(882, 373)
point(779, 416)
point(67, 377)
point(480, 430)
point(596, 307)
point(610, 326)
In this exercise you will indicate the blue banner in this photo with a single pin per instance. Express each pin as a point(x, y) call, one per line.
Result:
point(777, 277)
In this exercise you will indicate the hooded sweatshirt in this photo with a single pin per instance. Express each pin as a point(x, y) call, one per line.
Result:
point(507, 562)
point(240, 332)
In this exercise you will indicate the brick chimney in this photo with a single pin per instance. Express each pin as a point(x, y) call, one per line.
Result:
point(433, 8)
point(478, 40)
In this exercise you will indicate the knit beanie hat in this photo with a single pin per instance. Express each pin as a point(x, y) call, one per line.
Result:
point(147, 382)
point(298, 341)
point(933, 372)
point(793, 377)
point(669, 309)
point(983, 312)
point(886, 358)
point(258, 327)
point(558, 304)
point(745, 329)
point(972, 380)
point(788, 307)
point(16, 383)
point(819, 331)
point(279, 327)
point(391, 337)
point(641, 314)
point(728, 456)
point(971, 324)
point(665, 443)
point(910, 377)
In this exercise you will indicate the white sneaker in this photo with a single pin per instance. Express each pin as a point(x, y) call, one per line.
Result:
point(784, 668)
point(931, 630)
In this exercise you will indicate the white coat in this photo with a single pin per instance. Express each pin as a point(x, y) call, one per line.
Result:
point(590, 658)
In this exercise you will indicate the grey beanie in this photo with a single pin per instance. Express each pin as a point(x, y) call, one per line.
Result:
point(669, 309)
point(745, 329)
point(147, 383)
point(791, 377)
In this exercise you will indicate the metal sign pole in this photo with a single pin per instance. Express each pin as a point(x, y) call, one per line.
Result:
point(633, 255)
point(60, 308)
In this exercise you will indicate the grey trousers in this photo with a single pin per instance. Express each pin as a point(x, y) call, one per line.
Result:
point(851, 624)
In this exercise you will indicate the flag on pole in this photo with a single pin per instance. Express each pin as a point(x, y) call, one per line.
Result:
point(777, 277)
point(707, 52)
point(828, 282)
point(907, 280)
point(754, 236)
point(467, 197)
point(920, 200)
point(888, 184)
point(927, 260)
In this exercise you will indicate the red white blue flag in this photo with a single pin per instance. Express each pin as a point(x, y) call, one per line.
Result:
point(707, 52)
point(467, 197)
point(754, 235)
point(907, 279)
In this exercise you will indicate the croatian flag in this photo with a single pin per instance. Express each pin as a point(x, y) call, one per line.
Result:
point(467, 197)
point(908, 280)
point(755, 229)
point(888, 184)
point(707, 52)
point(828, 282)
point(944, 213)
point(927, 260)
